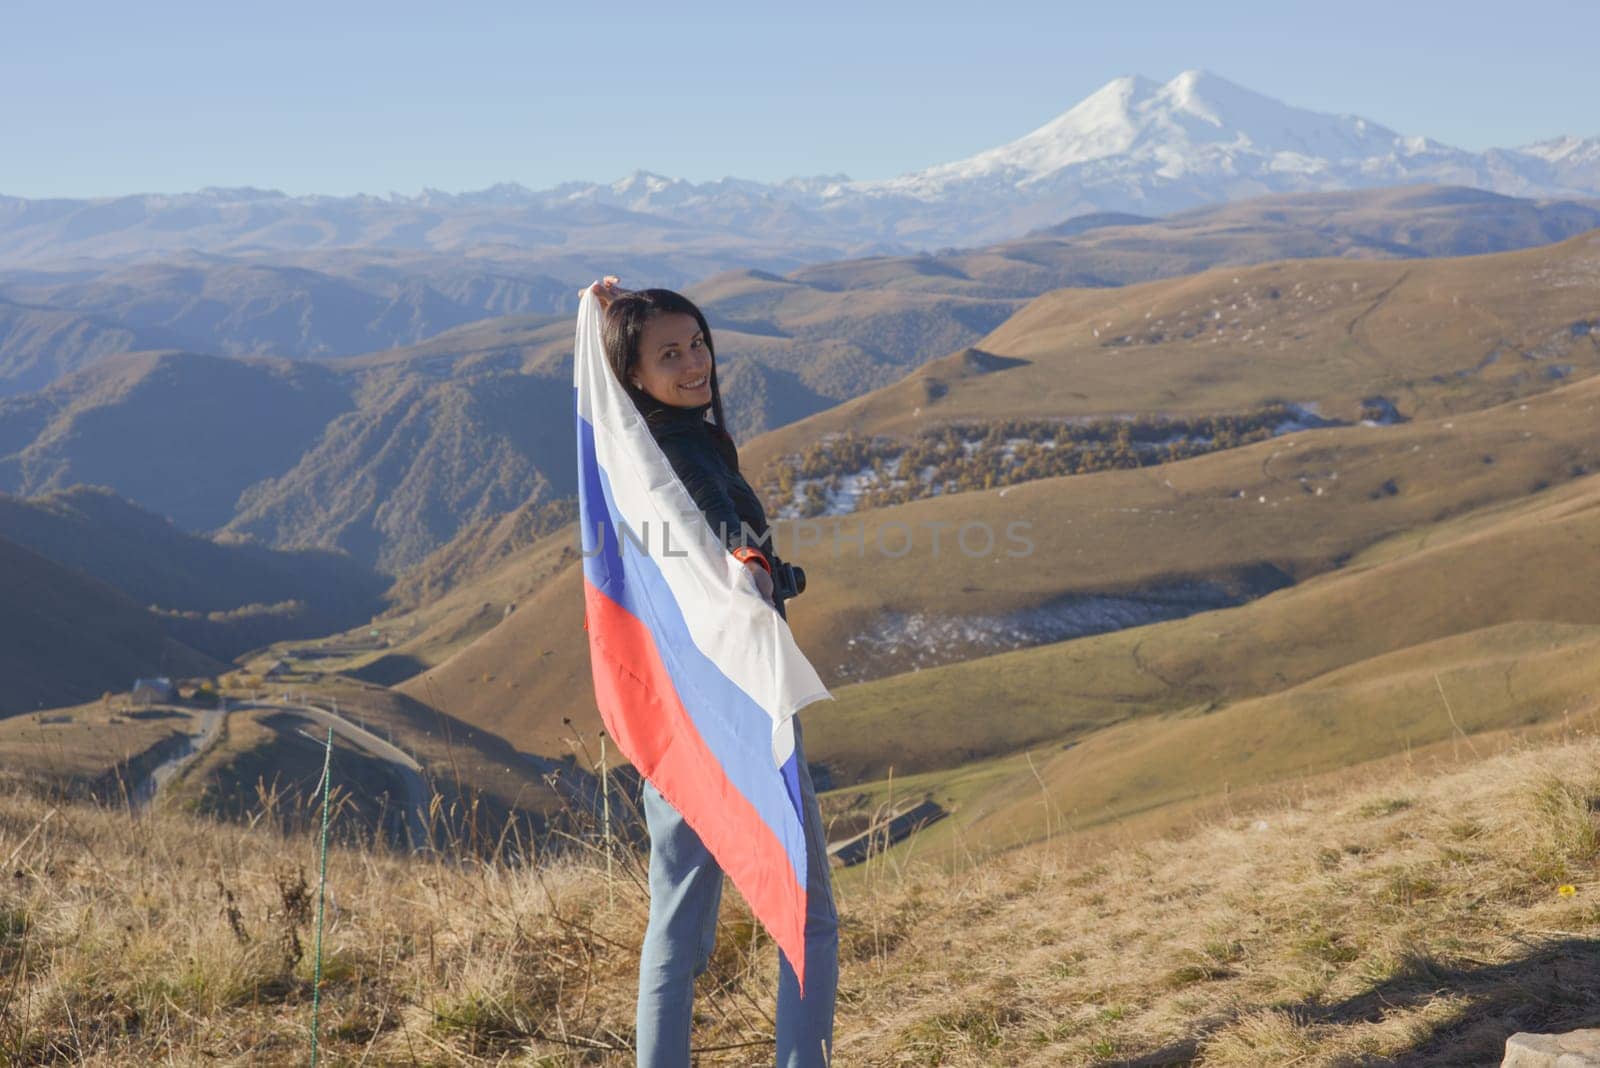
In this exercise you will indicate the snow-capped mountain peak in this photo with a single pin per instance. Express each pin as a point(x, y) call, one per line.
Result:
point(642, 182)
point(1565, 150)
point(1195, 123)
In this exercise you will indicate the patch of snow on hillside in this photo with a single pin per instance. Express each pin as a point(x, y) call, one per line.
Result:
point(1302, 417)
point(908, 641)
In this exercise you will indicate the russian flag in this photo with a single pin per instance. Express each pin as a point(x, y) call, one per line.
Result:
point(697, 677)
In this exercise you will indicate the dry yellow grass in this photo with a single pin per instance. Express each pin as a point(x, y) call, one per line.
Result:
point(1419, 919)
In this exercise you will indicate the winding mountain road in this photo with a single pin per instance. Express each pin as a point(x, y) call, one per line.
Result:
point(169, 769)
point(405, 766)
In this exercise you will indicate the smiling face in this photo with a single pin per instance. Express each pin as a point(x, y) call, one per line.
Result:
point(674, 364)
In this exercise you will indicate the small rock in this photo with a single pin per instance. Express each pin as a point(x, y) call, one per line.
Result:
point(1575, 1049)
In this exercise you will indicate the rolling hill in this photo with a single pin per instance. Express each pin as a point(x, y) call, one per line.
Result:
point(176, 433)
point(222, 598)
point(40, 343)
point(67, 638)
point(800, 345)
point(1444, 632)
point(1109, 550)
point(1405, 222)
point(1121, 547)
point(778, 321)
point(1429, 336)
point(342, 303)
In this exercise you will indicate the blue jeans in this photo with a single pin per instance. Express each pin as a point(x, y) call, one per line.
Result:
point(685, 890)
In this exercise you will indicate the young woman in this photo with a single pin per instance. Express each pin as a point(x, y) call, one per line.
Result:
point(658, 345)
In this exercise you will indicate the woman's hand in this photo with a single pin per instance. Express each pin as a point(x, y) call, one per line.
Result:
point(763, 579)
point(606, 290)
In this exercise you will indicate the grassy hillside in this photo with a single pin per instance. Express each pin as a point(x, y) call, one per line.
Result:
point(1504, 565)
point(66, 637)
point(1465, 626)
point(223, 598)
point(417, 460)
point(1417, 913)
point(100, 749)
point(40, 344)
point(1341, 337)
point(179, 434)
point(1108, 550)
point(1431, 337)
point(265, 762)
point(1405, 222)
point(480, 793)
point(1418, 918)
point(973, 388)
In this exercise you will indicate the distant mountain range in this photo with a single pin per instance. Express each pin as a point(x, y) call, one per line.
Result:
point(1135, 145)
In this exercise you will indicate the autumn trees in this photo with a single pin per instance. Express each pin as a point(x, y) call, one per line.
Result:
point(846, 472)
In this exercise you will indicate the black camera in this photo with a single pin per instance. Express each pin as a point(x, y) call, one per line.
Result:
point(788, 581)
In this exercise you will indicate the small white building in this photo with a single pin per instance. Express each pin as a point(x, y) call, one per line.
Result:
point(150, 691)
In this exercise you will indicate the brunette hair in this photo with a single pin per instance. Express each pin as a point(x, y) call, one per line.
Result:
point(624, 324)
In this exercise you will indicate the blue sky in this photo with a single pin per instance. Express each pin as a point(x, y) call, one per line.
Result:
point(349, 96)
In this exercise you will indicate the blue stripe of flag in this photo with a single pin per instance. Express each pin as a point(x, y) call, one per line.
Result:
point(736, 729)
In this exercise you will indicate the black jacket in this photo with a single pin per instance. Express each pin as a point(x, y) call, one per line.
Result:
point(707, 462)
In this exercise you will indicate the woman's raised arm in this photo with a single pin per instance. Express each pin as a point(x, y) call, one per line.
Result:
point(607, 290)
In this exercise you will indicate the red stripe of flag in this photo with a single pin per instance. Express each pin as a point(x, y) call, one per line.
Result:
point(643, 712)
